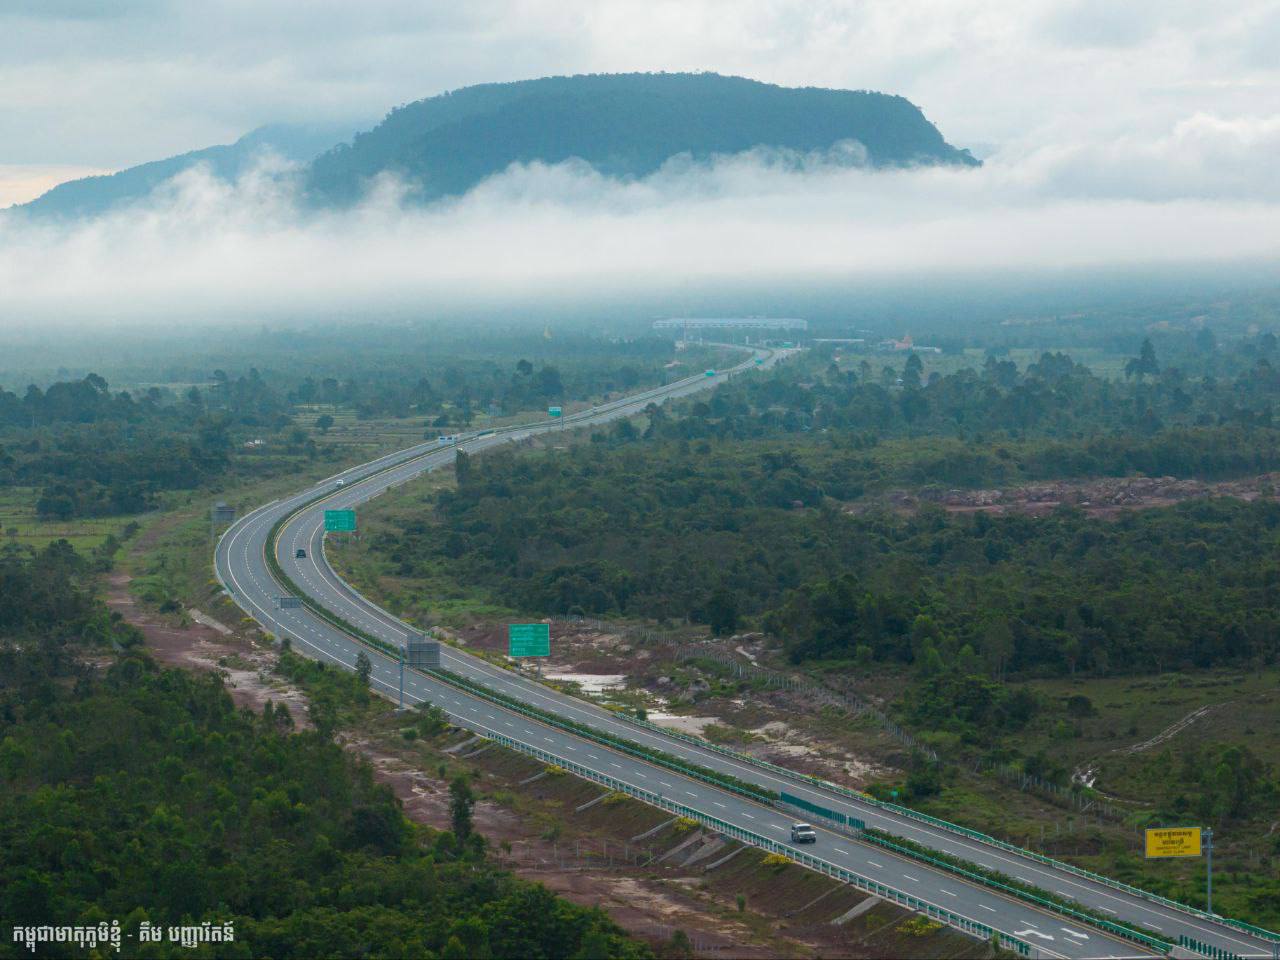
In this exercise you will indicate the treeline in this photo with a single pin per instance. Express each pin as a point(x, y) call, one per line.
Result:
point(454, 389)
point(137, 793)
point(92, 451)
point(1055, 397)
point(667, 530)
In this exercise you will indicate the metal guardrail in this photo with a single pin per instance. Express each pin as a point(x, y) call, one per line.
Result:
point(915, 904)
point(745, 758)
point(588, 733)
point(1084, 919)
point(1206, 949)
point(907, 812)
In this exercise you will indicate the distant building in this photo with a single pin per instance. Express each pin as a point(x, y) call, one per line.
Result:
point(731, 323)
point(904, 345)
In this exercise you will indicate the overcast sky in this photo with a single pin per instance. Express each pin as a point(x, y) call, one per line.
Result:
point(103, 84)
point(1116, 131)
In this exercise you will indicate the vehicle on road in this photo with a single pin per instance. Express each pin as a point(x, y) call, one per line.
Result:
point(300, 554)
point(341, 483)
point(803, 833)
point(711, 373)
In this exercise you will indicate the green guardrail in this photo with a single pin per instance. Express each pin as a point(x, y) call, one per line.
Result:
point(1107, 926)
point(864, 798)
point(835, 816)
point(1206, 949)
point(972, 927)
point(589, 733)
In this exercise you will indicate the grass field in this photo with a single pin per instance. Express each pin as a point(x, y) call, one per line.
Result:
point(19, 523)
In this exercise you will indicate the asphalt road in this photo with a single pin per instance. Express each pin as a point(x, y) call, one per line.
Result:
point(241, 566)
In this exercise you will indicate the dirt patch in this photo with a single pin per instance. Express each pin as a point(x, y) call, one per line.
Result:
point(649, 903)
point(1104, 498)
point(246, 667)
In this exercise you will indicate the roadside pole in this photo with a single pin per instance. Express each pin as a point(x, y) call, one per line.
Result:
point(400, 709)
point(1208, 837)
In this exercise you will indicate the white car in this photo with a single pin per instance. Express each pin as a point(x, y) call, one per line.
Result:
point(803, 833)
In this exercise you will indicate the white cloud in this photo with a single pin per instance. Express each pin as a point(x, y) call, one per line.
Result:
point(208, 250)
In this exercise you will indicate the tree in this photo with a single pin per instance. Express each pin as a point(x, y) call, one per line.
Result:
point(364, 666)
point(324, 422)
point(722, 611)
point(912, 371)
point(461, 802)
point(1145, 364)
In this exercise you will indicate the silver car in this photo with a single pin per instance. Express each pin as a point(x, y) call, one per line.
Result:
point(803, 833)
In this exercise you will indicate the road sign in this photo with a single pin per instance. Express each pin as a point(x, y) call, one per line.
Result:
point(289, 603)
point(553, 411)
point(340, 520)
point(528, 640)
point(423, 654)
point(1173, 842)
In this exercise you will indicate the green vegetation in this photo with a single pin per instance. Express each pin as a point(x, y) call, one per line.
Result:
point(762, 506)
point(142, 794)
point(621, 124)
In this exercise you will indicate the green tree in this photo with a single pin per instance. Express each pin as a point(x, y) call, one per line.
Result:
point(461, 803)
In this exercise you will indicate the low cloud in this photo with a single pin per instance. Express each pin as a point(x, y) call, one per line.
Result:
point(203, 249)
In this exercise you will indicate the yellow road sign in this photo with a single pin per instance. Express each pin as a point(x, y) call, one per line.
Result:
point(1173, 842)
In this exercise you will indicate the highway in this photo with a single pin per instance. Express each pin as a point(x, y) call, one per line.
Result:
point(240, 562)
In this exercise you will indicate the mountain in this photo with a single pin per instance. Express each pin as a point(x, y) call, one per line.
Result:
point(89, 196)
point(624, 125)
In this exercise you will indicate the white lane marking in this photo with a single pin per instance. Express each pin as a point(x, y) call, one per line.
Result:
point(690, 793)
point(719, 804)
point(874, 864)
point(985, 907)
point(841, 850)
point(1074, 933)
point(948, 892)
point(911, 878)
point(1033, 933)
point(664, 783)
point(748, 816)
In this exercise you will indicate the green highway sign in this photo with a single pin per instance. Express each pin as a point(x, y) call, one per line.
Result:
point(340, 520)
point(553, 411)
point(528, 640)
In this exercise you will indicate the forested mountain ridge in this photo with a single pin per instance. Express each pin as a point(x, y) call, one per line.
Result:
point(89, 196)
point(623, 125)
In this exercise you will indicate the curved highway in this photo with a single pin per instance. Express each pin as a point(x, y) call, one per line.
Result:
point(240, 563)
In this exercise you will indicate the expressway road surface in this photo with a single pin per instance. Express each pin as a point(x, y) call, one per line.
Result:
point(241, 565)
